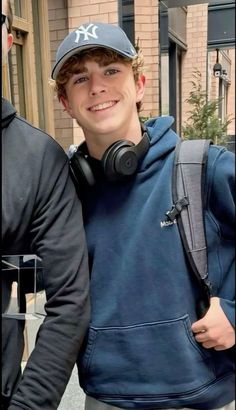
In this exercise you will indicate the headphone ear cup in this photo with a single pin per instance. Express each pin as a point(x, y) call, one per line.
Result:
point(81, 169)
point(126, 161)
point(118, 160)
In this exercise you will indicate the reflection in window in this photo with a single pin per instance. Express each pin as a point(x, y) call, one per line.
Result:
point(126, 18)
point(179, 92)
point(17, 79)
point(6, 91)
point(38, 66)
point(164, 84)
point(17, 7)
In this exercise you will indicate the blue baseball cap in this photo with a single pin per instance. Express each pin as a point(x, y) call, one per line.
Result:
point(93, 35)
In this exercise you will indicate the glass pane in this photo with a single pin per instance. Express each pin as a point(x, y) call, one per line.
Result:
point(21, 279)
point(17, 8)
point(6, 91)
point(17, 79)
point(127, 18)
point(128, 7)
point(164, 84)
point(38, 65)
point(179, 92)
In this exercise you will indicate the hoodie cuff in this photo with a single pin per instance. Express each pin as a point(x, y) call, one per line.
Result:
point(228, 307)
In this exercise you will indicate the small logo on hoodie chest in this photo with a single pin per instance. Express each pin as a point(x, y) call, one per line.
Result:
point(164, 224)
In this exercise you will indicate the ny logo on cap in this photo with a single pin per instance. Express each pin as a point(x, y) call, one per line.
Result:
point(84, 31)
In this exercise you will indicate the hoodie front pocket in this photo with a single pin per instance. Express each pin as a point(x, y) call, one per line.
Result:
point(157, 358)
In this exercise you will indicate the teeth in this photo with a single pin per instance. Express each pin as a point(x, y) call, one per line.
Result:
point(102, 106)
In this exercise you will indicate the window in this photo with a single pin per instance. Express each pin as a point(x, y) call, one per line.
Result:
point(126, 18)
point(172, 46)
point(164, 84)
point(38, 64)
point(175, 84)
point(17, 85)
point(19, 81)
point(25, 77)
point(18, 8)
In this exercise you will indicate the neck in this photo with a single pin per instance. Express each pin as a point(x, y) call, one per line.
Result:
point(98, 144)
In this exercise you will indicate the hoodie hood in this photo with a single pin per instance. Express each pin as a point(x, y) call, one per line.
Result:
point(8, 113)
point(162, 138)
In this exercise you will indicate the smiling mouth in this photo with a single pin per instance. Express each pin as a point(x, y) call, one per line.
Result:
point(103, 106)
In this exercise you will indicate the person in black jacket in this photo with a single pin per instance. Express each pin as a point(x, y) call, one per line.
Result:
point(41, 215)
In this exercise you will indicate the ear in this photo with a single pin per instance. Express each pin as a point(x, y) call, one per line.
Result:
point(66, 105)
point(9, 41)
point(140, 88)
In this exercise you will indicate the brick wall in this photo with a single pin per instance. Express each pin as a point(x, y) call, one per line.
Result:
point(58, 26)
point(146, 31)
point(196, 55)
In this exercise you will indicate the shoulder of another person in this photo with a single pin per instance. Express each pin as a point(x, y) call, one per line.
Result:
point(37, 137)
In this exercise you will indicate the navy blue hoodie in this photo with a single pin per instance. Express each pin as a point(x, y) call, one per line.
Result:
point(141, 352)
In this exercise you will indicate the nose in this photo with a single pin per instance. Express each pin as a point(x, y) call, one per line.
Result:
point(97, 85)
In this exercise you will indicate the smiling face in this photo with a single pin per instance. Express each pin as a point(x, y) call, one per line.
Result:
point(102, 98)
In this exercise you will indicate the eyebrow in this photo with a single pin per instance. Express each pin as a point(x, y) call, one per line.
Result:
point(84, 69)
point(80, 70)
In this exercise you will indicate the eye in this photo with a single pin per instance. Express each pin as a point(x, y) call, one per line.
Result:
point(111, 71)
point(81, 79)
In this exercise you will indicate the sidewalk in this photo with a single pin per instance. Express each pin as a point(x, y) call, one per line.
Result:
point(73, 398)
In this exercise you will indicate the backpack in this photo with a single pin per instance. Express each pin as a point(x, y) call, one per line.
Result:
point(187, 191)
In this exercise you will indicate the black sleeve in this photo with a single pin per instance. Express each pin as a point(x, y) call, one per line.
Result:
point(12, 343)
point(58, 238)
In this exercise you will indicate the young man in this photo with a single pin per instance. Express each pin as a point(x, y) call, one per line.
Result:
point(146, 346)
point(41, 215)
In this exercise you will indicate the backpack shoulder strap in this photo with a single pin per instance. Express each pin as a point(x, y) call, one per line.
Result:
point(187, 190)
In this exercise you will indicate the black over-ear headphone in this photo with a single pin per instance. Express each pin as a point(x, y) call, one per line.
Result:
point(119, 160)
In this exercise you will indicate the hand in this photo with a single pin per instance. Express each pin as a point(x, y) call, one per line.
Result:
point(214, 330)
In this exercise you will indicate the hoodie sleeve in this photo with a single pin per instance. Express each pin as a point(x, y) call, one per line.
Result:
point(58, 237)
point(221, 205)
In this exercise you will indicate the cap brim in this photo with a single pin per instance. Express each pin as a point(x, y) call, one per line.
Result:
point(57, 67)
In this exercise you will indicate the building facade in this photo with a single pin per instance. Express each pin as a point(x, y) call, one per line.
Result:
point(176, 38)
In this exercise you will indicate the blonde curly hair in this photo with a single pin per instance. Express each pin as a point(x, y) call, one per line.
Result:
point(101, 56)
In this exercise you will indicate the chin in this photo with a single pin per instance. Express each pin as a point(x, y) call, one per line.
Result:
point(106, 127)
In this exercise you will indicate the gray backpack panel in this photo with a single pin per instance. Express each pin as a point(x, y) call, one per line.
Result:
point(187, 190)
